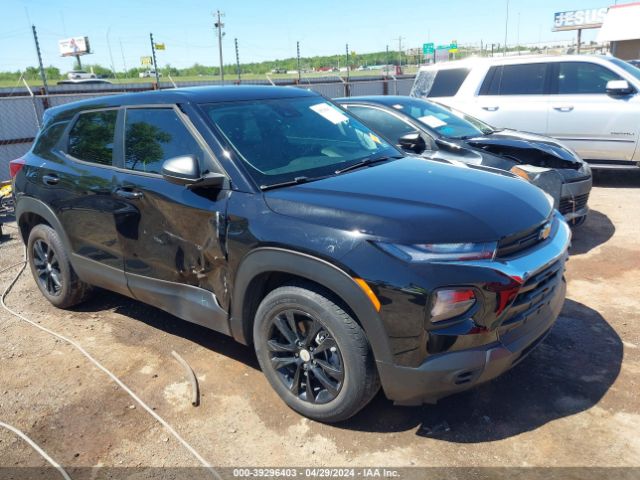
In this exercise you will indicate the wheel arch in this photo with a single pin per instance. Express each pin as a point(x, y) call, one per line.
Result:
point(261, 266)
point(31, 212)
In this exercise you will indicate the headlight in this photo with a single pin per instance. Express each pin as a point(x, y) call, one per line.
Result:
point(440, 252)
point(448, 303)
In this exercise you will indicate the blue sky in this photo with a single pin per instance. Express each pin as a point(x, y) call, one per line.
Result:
point(266, 29)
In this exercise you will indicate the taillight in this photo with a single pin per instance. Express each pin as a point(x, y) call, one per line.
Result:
point(449, 303)
point(15, 166)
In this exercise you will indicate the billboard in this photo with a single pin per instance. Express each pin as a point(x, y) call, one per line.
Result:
point(70, 47)
point(579, 19)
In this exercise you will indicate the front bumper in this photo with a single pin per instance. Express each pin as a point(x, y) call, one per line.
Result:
point(451, 372)
point(573, 199)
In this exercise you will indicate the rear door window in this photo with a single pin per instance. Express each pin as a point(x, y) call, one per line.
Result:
point(522, 79)
point(583, 78)
point(153, 135)
point(91, 137)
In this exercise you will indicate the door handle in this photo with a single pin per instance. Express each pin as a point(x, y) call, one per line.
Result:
point(491, 108)
point(129, 194)
point(563, 108)
point(50, 179)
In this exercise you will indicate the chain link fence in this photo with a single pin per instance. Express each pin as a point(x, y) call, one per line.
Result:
point(21, 110)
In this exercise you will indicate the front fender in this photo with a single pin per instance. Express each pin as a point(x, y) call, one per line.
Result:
point(270, 259)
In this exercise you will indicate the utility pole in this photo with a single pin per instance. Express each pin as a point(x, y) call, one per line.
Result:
point(506, 29)
point(42, 74)
point(518, 34)
point(298, 54)
point(113, 68)
point(124, 62)
point(399, 53)
point(155, 64)
point(219, 26)
point(386, 68)
point(235, 40)
point(347, 52)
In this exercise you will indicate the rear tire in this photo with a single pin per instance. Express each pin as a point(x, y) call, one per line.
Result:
point(51, 269)
point(314, 354)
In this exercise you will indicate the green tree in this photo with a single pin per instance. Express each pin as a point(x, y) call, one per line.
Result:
point(143, 144)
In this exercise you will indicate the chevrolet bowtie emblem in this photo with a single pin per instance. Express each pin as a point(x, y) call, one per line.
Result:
point(545, 232)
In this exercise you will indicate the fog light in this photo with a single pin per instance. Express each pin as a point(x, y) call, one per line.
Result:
point(451, 302)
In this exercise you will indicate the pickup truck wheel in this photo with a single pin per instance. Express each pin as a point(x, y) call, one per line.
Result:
point(51, 269)
point(314, 354)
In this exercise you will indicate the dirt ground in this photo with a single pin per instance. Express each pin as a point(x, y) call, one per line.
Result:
point(573, 402)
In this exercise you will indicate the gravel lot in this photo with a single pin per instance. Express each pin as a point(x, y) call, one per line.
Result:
point(573, 402)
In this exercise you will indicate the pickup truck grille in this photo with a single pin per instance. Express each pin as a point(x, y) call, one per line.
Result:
point(571, 204)
point(520, 241)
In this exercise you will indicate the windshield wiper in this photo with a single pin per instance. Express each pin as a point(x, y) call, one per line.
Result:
point(365, 162)
point(295, 181)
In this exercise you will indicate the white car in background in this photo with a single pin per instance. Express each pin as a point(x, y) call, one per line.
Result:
point(80, 75)
point(591, 103)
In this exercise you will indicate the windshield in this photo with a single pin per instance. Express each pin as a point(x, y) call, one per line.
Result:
point(443, 121)
point(283, 139)
point(626, 66)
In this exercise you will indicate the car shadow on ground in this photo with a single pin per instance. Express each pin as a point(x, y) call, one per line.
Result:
point(568, 373)
point(597, 230)
point(104, 301)
point(616, 178)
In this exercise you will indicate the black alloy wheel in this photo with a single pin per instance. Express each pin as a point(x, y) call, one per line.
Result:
point(47, 267)
point(305, 356)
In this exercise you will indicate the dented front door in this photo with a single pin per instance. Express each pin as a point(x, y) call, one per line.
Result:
point(173, 241)
point(172, 237)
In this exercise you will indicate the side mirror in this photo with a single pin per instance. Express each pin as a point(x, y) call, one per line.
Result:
point(412, 142)
point(619, 87)
point(185, 170)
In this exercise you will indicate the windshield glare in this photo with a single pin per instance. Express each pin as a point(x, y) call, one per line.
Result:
point(286, 138)
point(445, 122)
point(635, 71)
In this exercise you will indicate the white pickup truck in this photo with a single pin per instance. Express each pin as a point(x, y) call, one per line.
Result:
point(589, 102)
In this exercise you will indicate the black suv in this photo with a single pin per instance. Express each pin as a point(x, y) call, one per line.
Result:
point(274, 216)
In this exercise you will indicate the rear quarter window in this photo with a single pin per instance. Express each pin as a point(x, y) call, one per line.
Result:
point(440, 83)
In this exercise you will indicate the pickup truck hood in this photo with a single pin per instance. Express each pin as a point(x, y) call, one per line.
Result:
point(527, 148)
point(414, 200)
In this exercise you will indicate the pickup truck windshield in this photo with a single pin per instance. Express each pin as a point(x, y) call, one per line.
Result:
point(441, 120)
point(284, 139)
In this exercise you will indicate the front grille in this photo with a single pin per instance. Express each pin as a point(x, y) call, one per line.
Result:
point(573, 204)
point(536, 292)
point(520, 241)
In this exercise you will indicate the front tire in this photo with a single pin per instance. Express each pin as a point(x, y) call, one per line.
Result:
point(51, 269)
point(314, 354)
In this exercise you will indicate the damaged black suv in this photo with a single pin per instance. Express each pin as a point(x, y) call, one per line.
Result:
point(274, 216)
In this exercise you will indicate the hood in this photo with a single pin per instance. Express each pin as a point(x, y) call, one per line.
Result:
point(527, 148)
point(414, 200)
